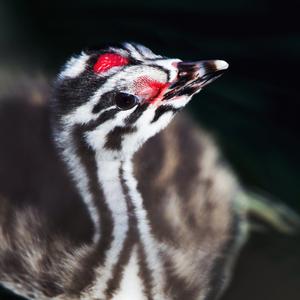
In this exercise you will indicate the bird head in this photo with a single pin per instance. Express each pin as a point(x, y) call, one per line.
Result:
point(121, 96)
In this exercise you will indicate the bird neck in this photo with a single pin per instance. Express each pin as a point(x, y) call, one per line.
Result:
point(109, 191)
point(97, 177)
point(131, 226)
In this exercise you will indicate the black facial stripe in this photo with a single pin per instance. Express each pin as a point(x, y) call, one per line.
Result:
point(135, 115)
point(73, 92)
point(114, 137)
point(105, 116)
point(122, 46)
point(138, 50)
point(162, 110)
point(158, 58)
point(105, 101)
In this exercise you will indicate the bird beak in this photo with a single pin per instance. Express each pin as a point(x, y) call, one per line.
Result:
point(193, 76)
point(201, 72)
point(198, 74)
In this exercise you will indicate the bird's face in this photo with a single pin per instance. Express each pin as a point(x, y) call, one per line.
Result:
point(122, 96)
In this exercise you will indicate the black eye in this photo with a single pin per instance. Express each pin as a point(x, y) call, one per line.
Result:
point(125, 101)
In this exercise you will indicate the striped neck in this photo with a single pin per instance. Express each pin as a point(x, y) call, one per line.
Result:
point(122, 232)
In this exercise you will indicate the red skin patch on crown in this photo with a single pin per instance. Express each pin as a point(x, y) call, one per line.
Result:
point(108, 60)
point(149, 89)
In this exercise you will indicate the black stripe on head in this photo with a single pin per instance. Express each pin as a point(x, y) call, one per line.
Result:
point(136, 114)
point(162, 110)
point(105, 101)
point(114, 137)
point(105, 116)
point(135, 46)
point(73, 92)
point(158, 58)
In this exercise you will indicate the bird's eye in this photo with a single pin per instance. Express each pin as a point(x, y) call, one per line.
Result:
point(125, 101)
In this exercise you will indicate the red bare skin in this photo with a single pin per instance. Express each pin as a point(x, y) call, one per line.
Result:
point(149, 89)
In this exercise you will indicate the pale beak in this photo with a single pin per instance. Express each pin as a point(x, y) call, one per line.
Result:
point(202, 72)
point(193, 76)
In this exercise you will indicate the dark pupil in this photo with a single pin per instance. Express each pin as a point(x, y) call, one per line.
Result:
point(125, 101)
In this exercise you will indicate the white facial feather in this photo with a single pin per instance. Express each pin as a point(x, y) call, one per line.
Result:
point(145, 129)
point(123, 80)
point(74, 67)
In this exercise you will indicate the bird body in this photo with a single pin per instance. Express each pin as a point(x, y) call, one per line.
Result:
point(174, 222)
point(100, 199)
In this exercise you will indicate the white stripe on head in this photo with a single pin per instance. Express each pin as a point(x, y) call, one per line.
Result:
point(170, 65)
point(97, 138)
point(120, 51)
point(145, 129)
point(133, 52)
point(74, 67)
point(148, 54)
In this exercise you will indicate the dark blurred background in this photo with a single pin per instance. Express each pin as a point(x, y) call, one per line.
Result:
point(253, 110)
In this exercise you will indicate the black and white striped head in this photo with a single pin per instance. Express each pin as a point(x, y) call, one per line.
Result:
point(120, 97)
